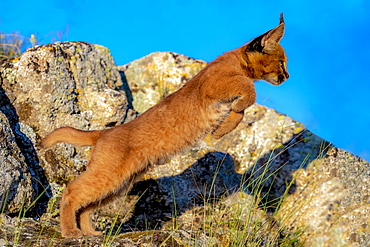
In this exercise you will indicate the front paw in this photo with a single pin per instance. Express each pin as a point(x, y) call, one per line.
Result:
point(240, 106)
point(217, 134)
point(243, 102)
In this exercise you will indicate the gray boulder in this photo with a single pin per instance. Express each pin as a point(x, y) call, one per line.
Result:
point(18, 188)
point(70, 83)
point(331, 201)
point(65, 83)
point(25, 189)
point(156, 75)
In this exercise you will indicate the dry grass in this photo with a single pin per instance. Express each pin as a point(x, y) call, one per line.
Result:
point(12, 44)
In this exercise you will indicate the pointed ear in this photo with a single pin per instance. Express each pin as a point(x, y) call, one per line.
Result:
point(273, 37)
point(268, 41)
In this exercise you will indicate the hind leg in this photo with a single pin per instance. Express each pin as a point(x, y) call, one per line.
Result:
point(84, 218)
point(68, 223)
point(89, 188)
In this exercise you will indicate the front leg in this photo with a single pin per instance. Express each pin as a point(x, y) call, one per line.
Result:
point(236, 114)
point(238, 89)
point(228, 124)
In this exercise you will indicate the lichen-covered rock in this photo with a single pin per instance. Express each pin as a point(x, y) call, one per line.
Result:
point(156, 75)
point(263, 131)
point(332, 201)
point(69, 83)
point(65, 83)
point(17, 187)
point(268, 146)
point(25, 189)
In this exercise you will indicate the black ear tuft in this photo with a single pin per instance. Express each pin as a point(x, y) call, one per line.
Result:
point(255, 44)
point(281, 18)
point(267, 41)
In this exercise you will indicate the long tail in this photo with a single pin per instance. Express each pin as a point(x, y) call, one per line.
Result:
point(72, 136)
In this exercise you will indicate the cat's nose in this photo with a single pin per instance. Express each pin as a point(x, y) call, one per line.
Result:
point(281, 78)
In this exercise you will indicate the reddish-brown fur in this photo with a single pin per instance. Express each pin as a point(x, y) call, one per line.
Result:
point(213, 101)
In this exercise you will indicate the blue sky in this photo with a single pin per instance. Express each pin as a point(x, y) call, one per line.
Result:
point(327, 43)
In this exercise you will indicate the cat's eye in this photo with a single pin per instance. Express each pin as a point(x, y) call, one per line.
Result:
point(283, 67)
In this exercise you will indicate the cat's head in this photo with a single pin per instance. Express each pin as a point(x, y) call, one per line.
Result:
point(266, 58)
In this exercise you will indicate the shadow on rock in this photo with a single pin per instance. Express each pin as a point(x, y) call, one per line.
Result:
point(27, 166)
point(130, 113)
point(213, 177)
point(206, 181)
point(272, 177)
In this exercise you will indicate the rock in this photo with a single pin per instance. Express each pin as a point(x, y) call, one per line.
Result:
point(17, 188)
point(192, 185)
point(331, 201)
point(269, 182)
point(156, 75)
point(24, 190)
point(69, 83)
point(65, 83)
point(268, 146)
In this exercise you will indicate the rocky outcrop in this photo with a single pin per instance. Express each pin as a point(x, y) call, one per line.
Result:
point(270, 181)
point(156, 75)
point(24, 187)
point(331, 201)
point(75, 84)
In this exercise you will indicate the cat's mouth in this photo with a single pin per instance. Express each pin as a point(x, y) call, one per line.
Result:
point(276, 80)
